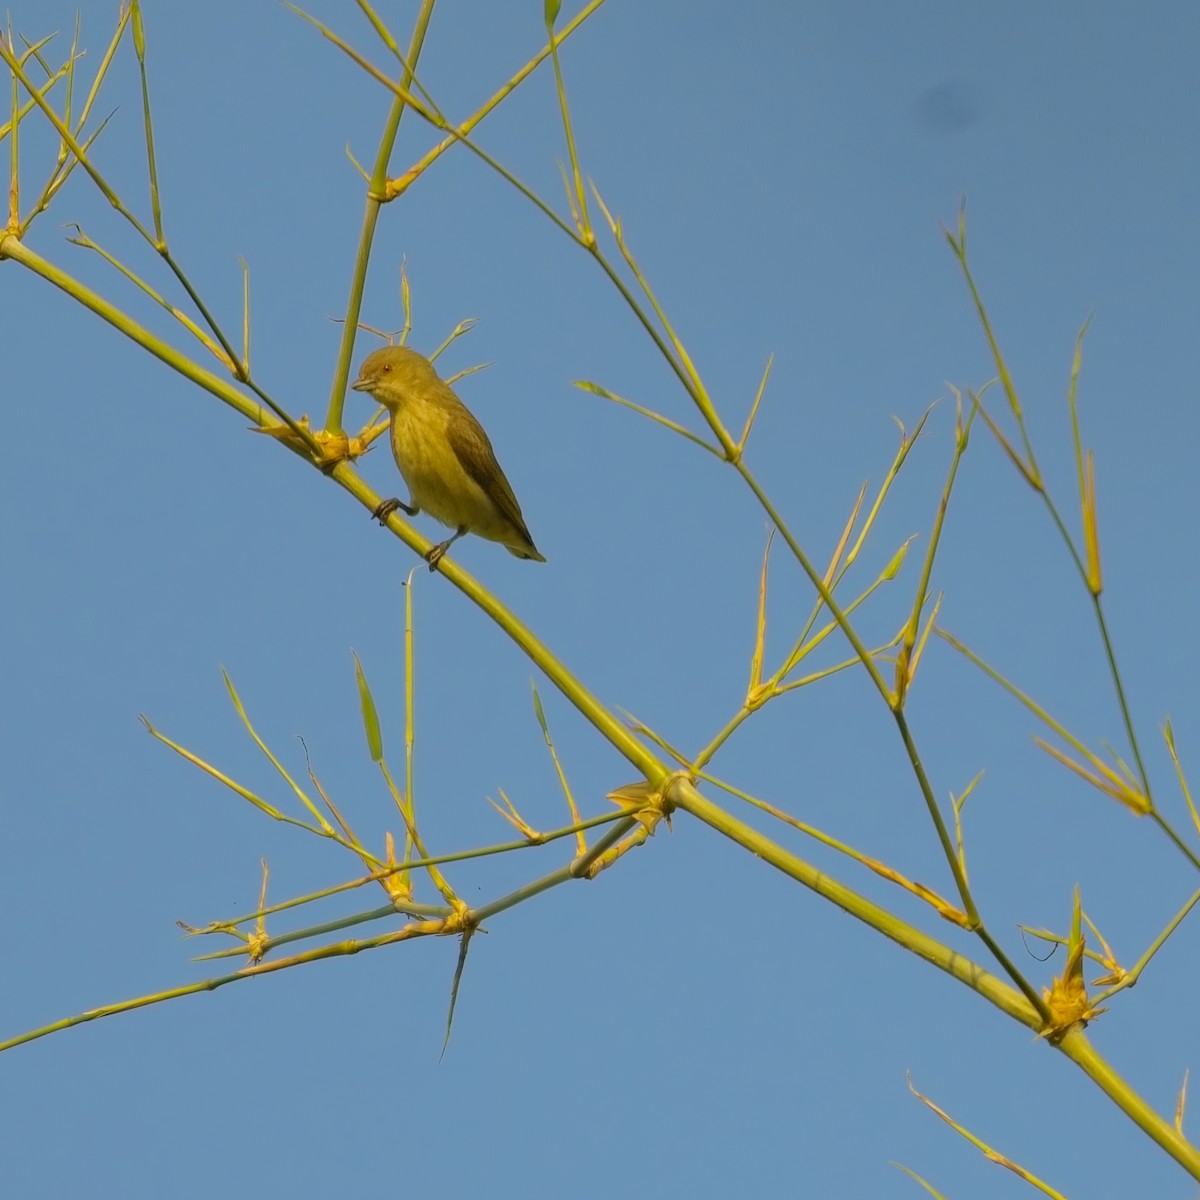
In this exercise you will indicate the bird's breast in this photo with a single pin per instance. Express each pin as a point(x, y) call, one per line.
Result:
point(437, 481)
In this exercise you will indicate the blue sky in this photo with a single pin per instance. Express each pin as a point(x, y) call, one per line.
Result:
point(691, 1022)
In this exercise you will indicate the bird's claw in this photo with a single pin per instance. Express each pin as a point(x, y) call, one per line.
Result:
point(385, 508)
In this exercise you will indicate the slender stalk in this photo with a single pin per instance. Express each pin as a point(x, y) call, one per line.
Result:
point(376, 196)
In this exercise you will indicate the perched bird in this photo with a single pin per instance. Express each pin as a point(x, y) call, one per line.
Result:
point(443, 454)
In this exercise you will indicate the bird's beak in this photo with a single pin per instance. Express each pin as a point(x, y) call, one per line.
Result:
point(360, 385)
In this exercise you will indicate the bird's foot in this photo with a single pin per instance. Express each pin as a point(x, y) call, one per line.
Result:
point(385, 508)
point(435, 556)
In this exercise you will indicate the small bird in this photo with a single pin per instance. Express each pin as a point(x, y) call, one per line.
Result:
point(443, 454)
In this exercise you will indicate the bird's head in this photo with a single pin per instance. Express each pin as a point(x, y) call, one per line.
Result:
point(395, 374)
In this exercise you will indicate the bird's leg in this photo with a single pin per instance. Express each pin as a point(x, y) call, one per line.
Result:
point(385, 508)
point(438, 552)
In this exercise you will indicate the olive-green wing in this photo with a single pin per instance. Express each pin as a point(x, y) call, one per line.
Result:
point(470, 443)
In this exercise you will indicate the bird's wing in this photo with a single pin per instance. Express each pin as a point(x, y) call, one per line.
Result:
point(469, 441)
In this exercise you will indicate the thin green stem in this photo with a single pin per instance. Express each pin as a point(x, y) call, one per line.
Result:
point(376, 197)
point(14, 134)
point(721, 737)
point(959, 247)
point(139, 47)
point(580, 199)
point(575, 869)
point(920, 596)
point(1174, 837)
point(1130, 978)
point(410, 737)
point(956, 869)
point(1126, 717)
